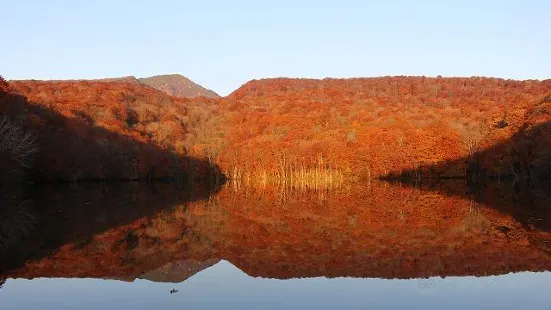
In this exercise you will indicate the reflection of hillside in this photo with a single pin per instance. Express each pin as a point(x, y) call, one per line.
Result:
point(94, 224)
point(377, 231)
point(178, 271)
point(380, 231)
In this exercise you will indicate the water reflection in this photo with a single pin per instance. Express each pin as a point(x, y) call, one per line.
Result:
point(167, 234)
point(40, 222)
point(223, 286)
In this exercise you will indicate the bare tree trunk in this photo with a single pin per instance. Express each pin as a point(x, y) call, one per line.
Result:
point(17, 147)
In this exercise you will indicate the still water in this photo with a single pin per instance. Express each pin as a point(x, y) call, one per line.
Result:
point(362, 246)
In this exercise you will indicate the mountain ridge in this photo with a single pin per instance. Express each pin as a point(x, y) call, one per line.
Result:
point(281, 85)
point(175, 85)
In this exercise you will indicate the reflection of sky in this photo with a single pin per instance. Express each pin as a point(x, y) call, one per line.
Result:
point(223, 286)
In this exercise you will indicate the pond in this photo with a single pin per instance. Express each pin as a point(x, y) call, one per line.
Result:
point(372, 245)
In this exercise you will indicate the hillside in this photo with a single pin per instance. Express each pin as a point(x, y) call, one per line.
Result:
point(304, 129)
point(127, 79)
point(172, 84)
point(178, 86)
point(307, 132)
point(94, 130)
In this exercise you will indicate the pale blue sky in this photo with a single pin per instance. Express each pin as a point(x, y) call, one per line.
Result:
point(223, 44)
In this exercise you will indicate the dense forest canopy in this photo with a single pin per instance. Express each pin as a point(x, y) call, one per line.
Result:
point(86, 130)
point(295, 131)
point(373, 126)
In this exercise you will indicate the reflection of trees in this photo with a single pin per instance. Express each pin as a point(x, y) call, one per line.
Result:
point(379, 232)
point(77, 216)
point(16, 223)
point(360, 231)
point(474, 219)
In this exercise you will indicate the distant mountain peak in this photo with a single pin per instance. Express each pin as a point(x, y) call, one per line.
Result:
point(178, 85)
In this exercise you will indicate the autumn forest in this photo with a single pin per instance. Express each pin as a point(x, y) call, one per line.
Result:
point(296, 132)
